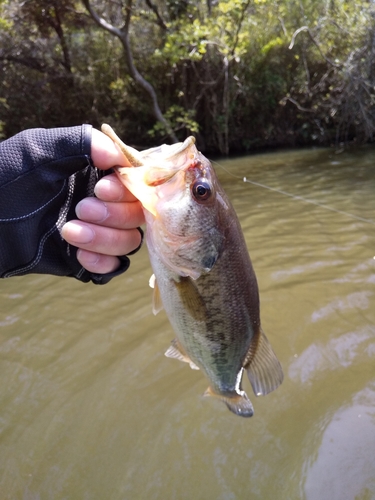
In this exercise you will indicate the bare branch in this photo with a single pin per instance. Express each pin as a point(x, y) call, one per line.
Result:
point(25, 61)
point(297, 32)
point(127, 18)
point(306, 28)
point(283, 25)
point(159, 19)
point(297, 105)
point(123, 36)
point(236, 37)
point(64, 46)
point(100, 21)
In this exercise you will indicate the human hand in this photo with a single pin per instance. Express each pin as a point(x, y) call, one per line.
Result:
point(108, 223)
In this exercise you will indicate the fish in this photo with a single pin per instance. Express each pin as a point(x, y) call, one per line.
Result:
point(203, 275)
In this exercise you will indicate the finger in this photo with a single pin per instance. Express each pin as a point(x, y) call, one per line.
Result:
point(98, 239)
point(96, 262)
point(105, 153)
point(116, 215)
point(110, 188)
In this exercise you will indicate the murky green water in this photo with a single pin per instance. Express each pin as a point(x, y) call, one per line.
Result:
point(91, 409)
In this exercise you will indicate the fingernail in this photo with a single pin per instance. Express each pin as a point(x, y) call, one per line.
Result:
point(92, 210)
point(107, 188)
point(87, 258)
point(76, 232)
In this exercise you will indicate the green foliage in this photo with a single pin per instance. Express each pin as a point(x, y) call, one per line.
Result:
point(238, 74)
point(185, 42)
point(180, 119)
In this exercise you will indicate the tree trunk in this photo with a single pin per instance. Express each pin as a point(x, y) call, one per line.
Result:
point(123, 35)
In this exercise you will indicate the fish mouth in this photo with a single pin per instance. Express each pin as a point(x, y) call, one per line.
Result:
point(136, 158)
point(158, 176)
point(159, 165)
point(177, 149)
point(180, 156)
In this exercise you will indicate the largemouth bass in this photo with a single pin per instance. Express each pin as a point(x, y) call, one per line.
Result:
point(203, 273)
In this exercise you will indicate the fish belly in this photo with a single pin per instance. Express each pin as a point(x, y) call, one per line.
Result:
point(211, 320)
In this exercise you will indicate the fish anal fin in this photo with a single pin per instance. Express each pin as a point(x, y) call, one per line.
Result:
point(157, 304)
point(239, 403)
point(262, 366)
point(175, 351)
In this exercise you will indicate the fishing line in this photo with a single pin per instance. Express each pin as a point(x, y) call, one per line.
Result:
point(296, 197)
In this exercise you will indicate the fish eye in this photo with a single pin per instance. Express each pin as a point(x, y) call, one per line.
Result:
point(201, 190)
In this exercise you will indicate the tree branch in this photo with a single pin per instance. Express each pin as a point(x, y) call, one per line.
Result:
point(236, 37)
point(160, 20)
point(306, 28)
point(25, 61)
point(297, 105)
point(123, 36)
point(57, 26)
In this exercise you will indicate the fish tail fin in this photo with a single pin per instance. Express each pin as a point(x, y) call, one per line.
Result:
point(262, 366)
point(239, 404)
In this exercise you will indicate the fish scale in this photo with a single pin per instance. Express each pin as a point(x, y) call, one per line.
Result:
point(204, 277)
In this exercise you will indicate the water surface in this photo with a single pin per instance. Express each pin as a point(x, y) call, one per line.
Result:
point(91, 409)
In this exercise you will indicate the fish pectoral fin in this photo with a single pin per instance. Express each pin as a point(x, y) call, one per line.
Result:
point(262, 366)
point(176, 352)
point(151, 281)
point(191, 298)
point(157, 304)
point(239, 403)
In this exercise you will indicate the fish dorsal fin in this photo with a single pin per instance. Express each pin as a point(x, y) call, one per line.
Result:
point(176, 352)
point(157, 304)
point(262, 366)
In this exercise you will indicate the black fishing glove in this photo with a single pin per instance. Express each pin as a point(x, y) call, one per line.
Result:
point(44, 173)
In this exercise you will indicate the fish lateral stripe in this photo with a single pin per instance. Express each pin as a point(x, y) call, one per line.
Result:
point(205, 278)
